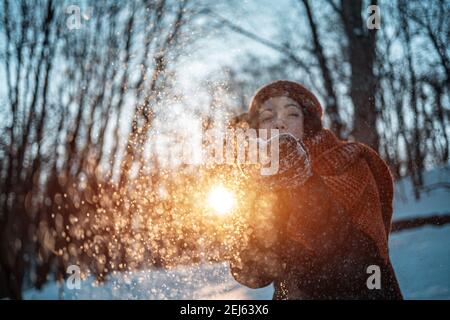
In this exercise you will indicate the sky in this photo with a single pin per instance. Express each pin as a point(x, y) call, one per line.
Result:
point(223, 47)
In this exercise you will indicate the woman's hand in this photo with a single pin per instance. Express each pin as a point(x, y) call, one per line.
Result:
point(259, 257)
point(258, 263)
point(294, 165)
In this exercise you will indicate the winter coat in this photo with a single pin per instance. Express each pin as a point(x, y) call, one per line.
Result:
point(330, 228)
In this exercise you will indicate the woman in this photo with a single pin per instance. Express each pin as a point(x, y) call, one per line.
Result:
point(334, 208)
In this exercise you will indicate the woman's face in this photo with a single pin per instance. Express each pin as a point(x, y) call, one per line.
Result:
point(282, 113)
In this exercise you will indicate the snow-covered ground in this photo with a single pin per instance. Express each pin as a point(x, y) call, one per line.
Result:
point(421, 259)
point(433, 202)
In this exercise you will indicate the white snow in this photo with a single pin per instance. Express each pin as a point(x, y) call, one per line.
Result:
point(206, 281)
point(434, 202)
point(421, 259)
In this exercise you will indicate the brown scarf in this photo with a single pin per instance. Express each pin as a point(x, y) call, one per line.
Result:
point(359, 180)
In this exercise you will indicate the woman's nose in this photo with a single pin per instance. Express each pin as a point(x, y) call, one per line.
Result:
point(280, 125)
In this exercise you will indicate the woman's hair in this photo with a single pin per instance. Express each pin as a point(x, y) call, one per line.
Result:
point(312, 124)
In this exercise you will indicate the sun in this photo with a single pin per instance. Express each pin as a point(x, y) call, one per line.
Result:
point(221, 200)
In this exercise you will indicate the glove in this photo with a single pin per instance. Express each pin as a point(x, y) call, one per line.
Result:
point(294, 165)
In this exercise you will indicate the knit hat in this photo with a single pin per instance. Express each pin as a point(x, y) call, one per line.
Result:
point(284, 88)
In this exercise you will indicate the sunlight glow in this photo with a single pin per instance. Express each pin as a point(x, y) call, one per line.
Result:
point(221, 200)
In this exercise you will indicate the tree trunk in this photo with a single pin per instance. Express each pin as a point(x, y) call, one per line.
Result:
point(363, 83)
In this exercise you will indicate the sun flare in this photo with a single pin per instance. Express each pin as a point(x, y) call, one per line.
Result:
point(221, 200)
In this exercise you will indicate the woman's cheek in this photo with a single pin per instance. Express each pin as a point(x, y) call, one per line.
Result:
point(295, 127)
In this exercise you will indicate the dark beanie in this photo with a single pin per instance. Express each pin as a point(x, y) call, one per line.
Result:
point(284, 88)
